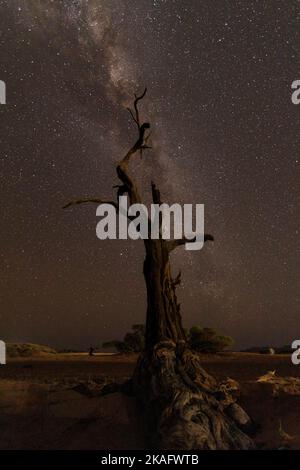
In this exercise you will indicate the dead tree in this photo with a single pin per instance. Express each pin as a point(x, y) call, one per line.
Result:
point(184, 407)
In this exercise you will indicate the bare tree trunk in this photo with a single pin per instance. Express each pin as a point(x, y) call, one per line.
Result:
point(163, 319)
point(184, 407)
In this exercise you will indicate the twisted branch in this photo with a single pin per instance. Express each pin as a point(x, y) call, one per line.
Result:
point(88, 200)
point(140, 144)
point(122, 168)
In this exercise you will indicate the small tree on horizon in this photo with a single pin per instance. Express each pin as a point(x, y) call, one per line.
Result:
point(134, 341)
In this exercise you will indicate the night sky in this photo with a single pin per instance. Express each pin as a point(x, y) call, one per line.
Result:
point(224, 133)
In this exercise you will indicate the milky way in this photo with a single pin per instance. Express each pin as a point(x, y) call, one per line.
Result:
point(224, 133)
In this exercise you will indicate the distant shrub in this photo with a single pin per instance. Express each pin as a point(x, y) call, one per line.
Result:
point(27, 350)
point(134, 341)
point(207, 340)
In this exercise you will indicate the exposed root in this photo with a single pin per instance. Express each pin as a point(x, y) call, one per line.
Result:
point(185, 408)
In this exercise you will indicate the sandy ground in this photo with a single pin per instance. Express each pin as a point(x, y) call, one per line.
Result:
point(40, 409)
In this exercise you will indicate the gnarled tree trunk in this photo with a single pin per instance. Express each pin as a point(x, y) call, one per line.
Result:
point(184, 407)
point(163, 318)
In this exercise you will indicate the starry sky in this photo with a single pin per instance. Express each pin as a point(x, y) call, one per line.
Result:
point(224, 133)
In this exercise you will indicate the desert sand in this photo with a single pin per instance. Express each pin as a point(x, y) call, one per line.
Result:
point(44, 402)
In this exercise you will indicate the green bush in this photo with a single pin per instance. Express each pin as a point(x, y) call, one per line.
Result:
point(207, 340)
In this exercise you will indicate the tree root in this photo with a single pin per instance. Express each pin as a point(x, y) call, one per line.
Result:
point(184, 407)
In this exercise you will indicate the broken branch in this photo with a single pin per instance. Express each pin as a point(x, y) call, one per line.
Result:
point(88, 200)
point(172, 244)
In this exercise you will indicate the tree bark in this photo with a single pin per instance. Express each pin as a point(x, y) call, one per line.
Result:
point(163, 319)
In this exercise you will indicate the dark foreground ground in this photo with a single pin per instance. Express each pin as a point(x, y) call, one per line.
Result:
point(41, 409)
